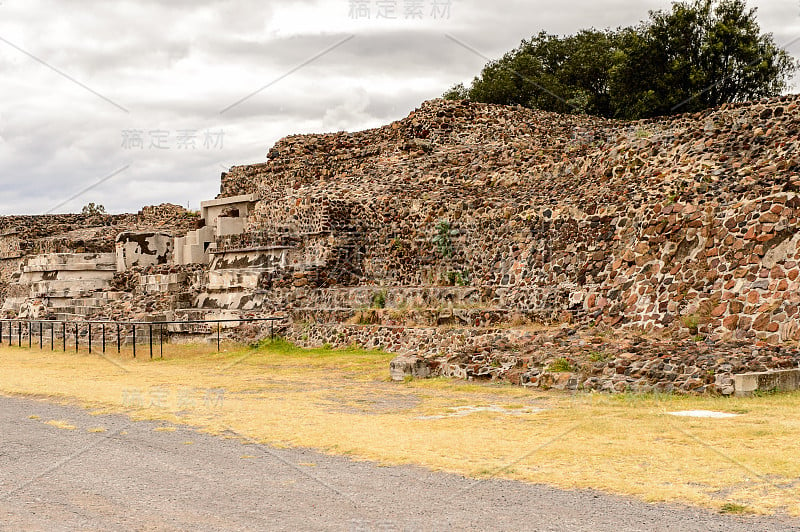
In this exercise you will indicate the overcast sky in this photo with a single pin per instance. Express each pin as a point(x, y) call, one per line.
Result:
point(153, 100)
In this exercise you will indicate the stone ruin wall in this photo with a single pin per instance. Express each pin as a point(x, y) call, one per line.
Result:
point(67, 233)
point(684, 224)
point(683, 227)
point(23, 238)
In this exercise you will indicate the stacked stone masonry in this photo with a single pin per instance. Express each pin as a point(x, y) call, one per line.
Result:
point(468, 220)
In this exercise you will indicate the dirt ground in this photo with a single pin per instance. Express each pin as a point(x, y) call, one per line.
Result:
point(65, 469)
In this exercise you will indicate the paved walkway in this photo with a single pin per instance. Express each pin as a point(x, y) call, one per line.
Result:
point(134, 477)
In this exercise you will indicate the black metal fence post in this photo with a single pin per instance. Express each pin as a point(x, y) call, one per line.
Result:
point(104, 330)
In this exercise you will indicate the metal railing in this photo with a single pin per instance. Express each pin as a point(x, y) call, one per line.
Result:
point(18, 329)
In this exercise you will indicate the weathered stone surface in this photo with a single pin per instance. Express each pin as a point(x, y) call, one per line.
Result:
point(767, 381)
point(449, 232)
point(24, 239)
point(404, 366)
point(628, 217)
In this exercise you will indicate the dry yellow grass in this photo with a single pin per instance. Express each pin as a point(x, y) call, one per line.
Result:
point(61, 424)
point(341, 402)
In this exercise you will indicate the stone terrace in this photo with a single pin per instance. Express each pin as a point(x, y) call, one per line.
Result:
point(686, 223)
point(492, 242)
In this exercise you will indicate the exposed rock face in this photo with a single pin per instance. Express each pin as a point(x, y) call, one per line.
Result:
point(68, 259)
point(686, 223)
point(569, 359)
point(444, 236)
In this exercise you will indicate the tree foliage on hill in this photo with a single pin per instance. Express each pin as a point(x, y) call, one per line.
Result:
point(93, 210)
point(697, 55)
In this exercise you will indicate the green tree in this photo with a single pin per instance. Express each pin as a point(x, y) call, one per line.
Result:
point(697, 55)
point(93, 210)
point(563, 74)
point(456, 92)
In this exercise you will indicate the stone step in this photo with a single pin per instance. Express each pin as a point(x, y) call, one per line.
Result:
point(74, 267)
point(70, 287)
point(747, 384)
point(428, 317)
point(89, 302)
point(87, 311)
point(67, 259)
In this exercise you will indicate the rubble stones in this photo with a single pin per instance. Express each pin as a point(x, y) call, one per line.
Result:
point(648, 224)
point(445, 235)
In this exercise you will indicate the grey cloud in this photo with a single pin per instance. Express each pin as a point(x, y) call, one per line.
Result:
point(176, 64)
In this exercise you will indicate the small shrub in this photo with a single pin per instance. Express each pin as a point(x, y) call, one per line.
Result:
point(327, 347)
point(93, 210)
point(561, 365)
point(442, 238)
point(691, 321)
point(379, 299)
point(366, 317)
point(456, 278)
point(400, 313)
point(733, 508)
point(597, 356)
point(398, 245)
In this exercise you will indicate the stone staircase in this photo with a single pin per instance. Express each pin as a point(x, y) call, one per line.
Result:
point(68, 285)
point(235, 277)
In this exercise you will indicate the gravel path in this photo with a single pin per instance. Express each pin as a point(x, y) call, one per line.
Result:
point(135, 477)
